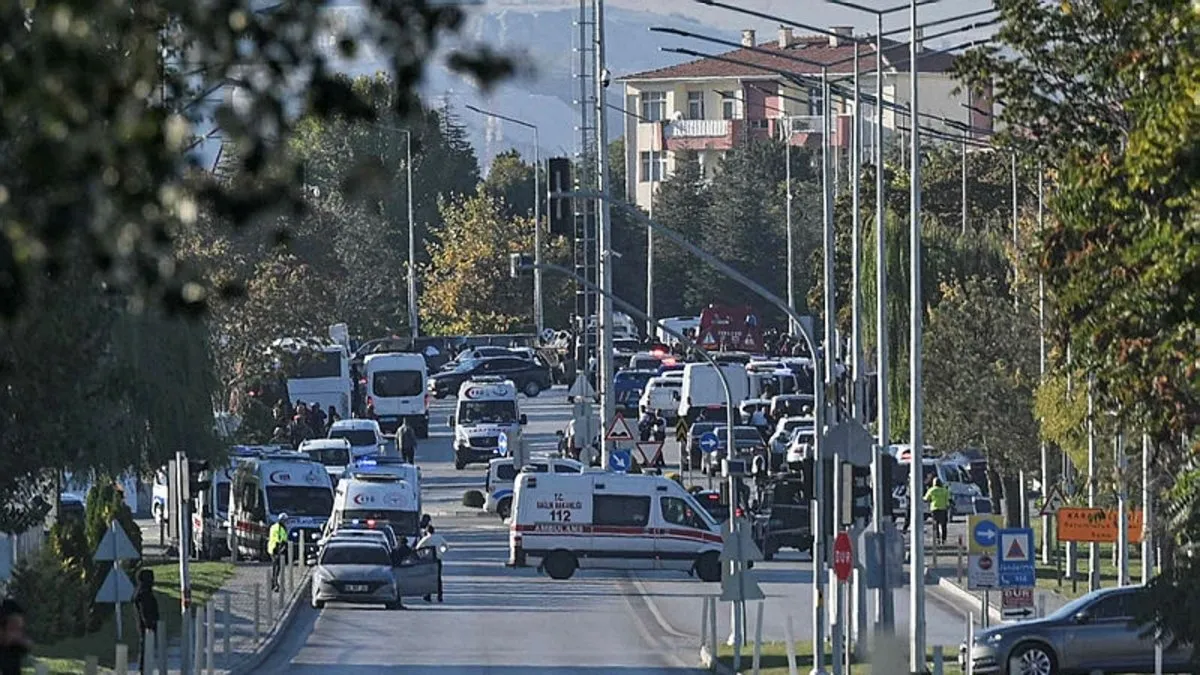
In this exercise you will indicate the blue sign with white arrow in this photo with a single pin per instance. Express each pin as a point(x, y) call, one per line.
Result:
point(985, 534)
point(619, 461)
point(502, 443)
point(708, 441)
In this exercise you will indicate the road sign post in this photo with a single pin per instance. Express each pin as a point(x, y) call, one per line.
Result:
point(651, 453)
point(116, 589)
point(737, 581)
point(619, 431)
point(843, 557)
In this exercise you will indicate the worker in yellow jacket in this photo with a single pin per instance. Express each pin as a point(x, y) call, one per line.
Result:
point(277, 548)
point(939, 498)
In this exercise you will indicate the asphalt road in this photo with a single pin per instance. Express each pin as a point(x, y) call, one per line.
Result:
point(500, 620)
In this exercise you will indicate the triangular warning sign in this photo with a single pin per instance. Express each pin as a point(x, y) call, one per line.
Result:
point(1015, 552)
point(749, 341)
point(619, 430)
point(651, 452)
point(709, 340)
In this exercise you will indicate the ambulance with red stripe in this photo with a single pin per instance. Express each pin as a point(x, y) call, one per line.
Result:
point(272, 484)
point(564, 522)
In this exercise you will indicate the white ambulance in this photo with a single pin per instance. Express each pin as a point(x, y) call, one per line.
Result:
point(606, 520)
point(393, 465)
point(487, 407)
point(272, 484)
point(380, 497)
point(210, 513)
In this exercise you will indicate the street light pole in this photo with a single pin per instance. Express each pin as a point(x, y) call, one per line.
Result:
point(856, 356)
point(791, 247)
point(412, 240)
point(916, 626)
point(604, 243)
point(819, 563)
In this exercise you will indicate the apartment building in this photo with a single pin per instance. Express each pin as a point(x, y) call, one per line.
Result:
point(711, 105)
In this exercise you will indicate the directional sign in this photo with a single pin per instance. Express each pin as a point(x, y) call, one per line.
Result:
point(619, 430)
point(651, 453)
point(985, 531)
point(115, 545)
point(1095, 525)
point(619, 461)
point(708, 441)
point(843, 557)
point(502, 443)
point(1016, 604)
point(1054, 502)
point(1015, 549)
point(116, 587)
point(681, 430)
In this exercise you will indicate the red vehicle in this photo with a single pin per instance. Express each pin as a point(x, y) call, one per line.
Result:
point(730, 328)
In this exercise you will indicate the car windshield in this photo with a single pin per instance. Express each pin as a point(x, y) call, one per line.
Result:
point(393, 383)
point(355, 555)
point(491, 412)
point(295, 500)
point(329, 456)
point(357, 437)
point(741, 435)
point(792, 425)
point(506, 472)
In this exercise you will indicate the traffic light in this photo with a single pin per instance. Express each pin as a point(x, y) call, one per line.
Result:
point(889, 483)
point(860, 492)
point(561, 216)
point(196, 468)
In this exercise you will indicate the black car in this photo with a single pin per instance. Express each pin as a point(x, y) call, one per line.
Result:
point(530, 377)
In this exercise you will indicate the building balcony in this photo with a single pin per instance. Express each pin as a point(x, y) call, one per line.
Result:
point(725, 134)
point(699, 134)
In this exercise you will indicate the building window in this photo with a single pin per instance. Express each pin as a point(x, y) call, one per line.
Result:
point(816, 103)
point(728, 107)
point(653, 170)
point(654, 106)
point(695, 109)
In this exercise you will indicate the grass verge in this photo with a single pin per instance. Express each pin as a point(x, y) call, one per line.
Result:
point(69, 656)
point(774, 660)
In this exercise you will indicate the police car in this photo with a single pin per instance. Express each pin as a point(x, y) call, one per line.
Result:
point(498, 485)
point(487, 407)
point(564, 522)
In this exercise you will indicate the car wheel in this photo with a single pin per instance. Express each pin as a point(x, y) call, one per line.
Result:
point(560, 565)
point(1034, 659)
point(532, 389)
point(318, 604)
point(504, 508)
point(708, 567)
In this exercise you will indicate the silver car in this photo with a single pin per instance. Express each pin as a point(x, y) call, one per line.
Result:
point(1093, 633)
point(357, 571)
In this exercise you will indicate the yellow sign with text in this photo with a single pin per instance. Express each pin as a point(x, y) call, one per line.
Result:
point(1095, 525)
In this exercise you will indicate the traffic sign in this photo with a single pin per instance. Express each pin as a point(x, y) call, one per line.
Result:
point(619, 430)
point(981, 572)
point(502, 444)
point(1095, 525)
point(1016, 558)
point(1016, 604)
point(708, 441)
point(581, 389)
point(117, 588)
point(115, 545)
point(1054, 502)
point(849, 440)
point(985, 531)
point(742, 548)
point(739, 586)
point(619, 461)
point(681, 430)
point(843, 557)
point(651, 452)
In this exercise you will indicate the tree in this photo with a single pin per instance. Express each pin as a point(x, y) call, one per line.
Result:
point(980, 373)
point(511, 181)
point(99, 159)
point(681, 203)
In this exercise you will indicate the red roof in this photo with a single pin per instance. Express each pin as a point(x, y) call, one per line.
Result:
point(810, 47)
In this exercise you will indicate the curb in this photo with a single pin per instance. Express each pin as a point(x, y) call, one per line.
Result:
point(266, 645)
point(967, 599)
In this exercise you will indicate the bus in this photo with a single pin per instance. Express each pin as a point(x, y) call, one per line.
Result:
point(318, 373)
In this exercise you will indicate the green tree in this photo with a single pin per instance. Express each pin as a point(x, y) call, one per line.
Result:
point(511, 181)
point(681, 203)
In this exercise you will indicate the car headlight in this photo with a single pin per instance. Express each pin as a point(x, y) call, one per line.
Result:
point(994, 638)
point(322, 575)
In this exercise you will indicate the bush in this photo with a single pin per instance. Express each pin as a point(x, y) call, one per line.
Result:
point(473, 499)
point(56, 594)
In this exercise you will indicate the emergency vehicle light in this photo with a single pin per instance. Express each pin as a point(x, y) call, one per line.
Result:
point(371, 523)
point(365, 462)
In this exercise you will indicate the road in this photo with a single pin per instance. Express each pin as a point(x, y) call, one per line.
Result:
point(500, 620)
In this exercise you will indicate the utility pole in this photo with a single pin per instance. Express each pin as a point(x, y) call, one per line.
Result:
point(1093, 547)
point(820, 564)
point(184, 520)
point(605, 315)
point(916, 626)
point(856, 355)
point(791, 248)
point(966, 132)
point(1147, 514)
point(1042, 364)
point(1122, 466)
point(651, 325)
point(413, 316)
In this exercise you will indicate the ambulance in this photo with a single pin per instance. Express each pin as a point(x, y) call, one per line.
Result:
point(393, 465)
point(271, 484)
point(564, 522)
point(502, 471)
point(366, 496)
point(487, 407)
point(210, 513)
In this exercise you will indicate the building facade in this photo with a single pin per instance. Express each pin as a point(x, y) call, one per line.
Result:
point(711, 105)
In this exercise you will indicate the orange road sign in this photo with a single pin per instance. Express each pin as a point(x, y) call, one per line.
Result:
point(1095, 525)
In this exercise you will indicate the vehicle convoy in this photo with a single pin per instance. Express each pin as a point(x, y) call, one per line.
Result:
point(332, 453)
point(396, 388)
point(498, 484)
point(365, 436)
point(275, 483)
point(564, 522)
point(529, 377)
point(486, 408)
point(379, 497)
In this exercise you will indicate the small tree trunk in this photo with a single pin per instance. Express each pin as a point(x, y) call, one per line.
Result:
point(996, 489)
point(1012, 501)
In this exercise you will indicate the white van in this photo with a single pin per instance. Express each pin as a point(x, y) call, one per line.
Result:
point(677, 324)
point(364, 436)
point(662, 395)
point(272, 484)
point(332, 453)
point(702, 388)
point(614, 521)
point(392, 465)
point(498, 485)
point(375, 496)
point(396, 384)
point(486, 407)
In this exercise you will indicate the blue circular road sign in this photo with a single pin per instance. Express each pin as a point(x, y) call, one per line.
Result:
point(708, 441)
point(985, 533)
point(502, 443)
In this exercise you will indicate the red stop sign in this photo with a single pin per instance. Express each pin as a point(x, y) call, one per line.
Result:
point(843, 557)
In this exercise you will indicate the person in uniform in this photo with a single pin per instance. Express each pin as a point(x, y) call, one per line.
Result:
point(277, 548)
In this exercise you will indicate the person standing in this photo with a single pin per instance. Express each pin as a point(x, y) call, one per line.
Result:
point(147, 613)
point(14, 642)
point(407, 441)
point(939, 498)
point(438, 543)
point(277, 549)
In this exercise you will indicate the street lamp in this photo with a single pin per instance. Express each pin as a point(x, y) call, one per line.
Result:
point(412, 238)
point(539, 318)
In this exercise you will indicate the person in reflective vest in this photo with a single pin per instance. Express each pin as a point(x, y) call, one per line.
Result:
point(939, 498)
point(277, 548)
